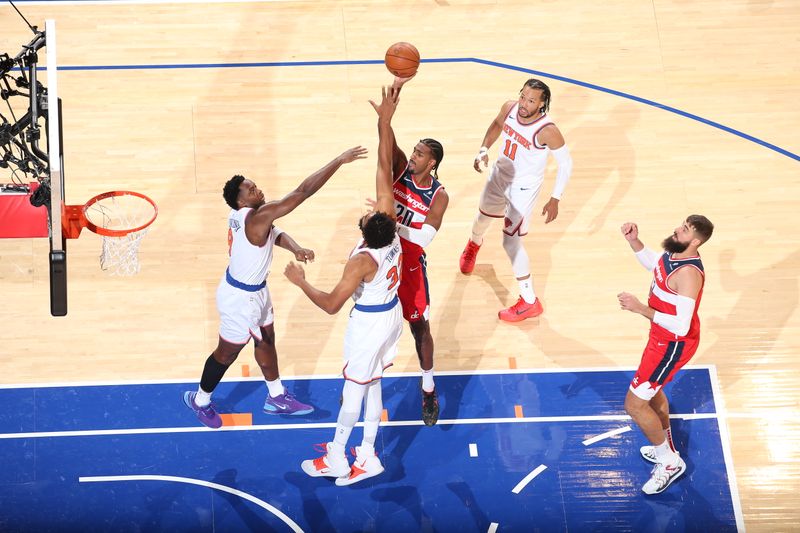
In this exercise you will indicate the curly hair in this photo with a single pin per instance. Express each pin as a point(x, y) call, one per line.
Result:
point(231, 191)
point(379, 230)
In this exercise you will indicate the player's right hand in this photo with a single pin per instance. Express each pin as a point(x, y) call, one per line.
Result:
point(348, 156)
point(294, 273)
point(483, 156)
point(630, 231)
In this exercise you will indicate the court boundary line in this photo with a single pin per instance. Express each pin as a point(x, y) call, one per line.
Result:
point(592, 86)
point(725, 439)
point(332, 425)
point(194, 381)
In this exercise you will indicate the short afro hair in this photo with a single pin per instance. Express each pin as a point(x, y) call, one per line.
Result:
point(379, 230)
point(231, 191)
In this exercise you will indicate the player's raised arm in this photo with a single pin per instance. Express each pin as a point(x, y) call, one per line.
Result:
point(384, 198)
point(262, 219)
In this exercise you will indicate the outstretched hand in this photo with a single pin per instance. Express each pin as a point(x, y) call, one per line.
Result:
point(399, 82)
point(388, 105)
point(348, 156)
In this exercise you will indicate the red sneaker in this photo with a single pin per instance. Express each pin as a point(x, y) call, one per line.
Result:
point(468, 256)
point(521, 310)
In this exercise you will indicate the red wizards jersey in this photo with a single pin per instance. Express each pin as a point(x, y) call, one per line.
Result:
point(412, 203)
point(662, 298)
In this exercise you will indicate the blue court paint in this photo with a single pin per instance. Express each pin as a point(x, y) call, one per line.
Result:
point(430, 482)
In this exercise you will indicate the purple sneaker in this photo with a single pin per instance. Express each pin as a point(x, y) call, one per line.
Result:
point(207, 415)
point(286, 404)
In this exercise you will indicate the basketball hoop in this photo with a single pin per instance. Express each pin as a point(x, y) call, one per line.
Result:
point(122, 218)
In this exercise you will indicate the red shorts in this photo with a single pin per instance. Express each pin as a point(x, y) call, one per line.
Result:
point(661, 360)
point(413, 291)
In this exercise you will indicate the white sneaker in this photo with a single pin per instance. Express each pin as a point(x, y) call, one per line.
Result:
point(662, 477)
point(365, 466)
point(649, 453)
point(328, 465)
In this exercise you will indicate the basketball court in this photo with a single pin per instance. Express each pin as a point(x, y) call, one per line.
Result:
point(560, 454)
point(669, 108)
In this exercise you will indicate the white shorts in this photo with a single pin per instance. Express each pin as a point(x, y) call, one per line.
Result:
point(370, 343)
point(503, 198)
point(242, 313)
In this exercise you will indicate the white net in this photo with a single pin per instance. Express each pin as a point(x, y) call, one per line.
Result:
point(120, 255)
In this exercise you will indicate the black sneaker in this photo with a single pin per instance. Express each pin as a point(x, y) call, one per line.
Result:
point(430, 408)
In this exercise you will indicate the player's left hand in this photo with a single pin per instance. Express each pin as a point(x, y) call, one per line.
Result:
point(294, 273)
point(629, 302)
point(304, 255)
point(551, 210)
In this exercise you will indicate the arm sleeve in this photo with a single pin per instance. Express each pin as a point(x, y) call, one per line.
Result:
point(564, 161)
point(648, 258)
point(422, 236)
point(680, 321)
point(276, 231)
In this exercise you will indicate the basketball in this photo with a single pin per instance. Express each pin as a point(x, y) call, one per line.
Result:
point(402, 59)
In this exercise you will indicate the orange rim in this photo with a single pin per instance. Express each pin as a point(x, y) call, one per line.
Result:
point(117, 232)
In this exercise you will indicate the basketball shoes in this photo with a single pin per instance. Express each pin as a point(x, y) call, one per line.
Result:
point(207, 415)
point(327, 465)
point(521, 310)
point(365, 466)
point(430, 408)
point(286, 404)
point(468, 256)
point(662, 476)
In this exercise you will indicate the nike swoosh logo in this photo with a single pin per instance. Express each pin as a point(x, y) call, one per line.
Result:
point(413, 269)
point(662, 344)
point(280, 405)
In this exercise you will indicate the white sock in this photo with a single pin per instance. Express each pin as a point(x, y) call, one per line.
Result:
point(373, 407)
point(668, 434)
point(203, 398)
point(664, 454)
point(479, 227)
point(352, 395)
point(526, 290)
point(275, 388)
point(427, 380)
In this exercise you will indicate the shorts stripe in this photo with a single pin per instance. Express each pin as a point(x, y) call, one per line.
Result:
point(671, 356)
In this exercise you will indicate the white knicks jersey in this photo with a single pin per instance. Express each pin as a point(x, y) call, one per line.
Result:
point(383, 287)
point(249, 264)
point(522, 158)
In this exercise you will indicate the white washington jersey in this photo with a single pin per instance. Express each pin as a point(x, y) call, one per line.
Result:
point(522, 158)
point(249, 264)
point(383, 287)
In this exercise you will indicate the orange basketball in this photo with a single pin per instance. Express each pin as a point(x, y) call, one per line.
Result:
point(402, 59)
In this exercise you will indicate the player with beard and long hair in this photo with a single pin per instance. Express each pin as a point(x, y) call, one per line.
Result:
point(671, 308)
